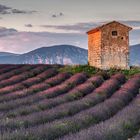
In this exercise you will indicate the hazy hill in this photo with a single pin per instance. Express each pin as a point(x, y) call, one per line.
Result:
point(60, 54)
point(135, 55)
point(7, 54)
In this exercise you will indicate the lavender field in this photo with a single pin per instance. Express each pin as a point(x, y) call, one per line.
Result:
point(40, 102)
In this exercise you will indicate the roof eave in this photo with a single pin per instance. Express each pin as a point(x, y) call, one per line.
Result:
point(93, 31)
point(100, 27)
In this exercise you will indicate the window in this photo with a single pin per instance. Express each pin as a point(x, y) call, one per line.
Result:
point(114, 33)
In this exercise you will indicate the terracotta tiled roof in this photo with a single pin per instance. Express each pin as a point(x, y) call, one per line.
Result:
point(100, 27)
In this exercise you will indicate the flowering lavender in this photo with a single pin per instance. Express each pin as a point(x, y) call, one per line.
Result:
point(56, 80)
point(7, 68)
point(96, 80)
point(13, 87)
point(67, 85)
point(14, 71)
point(40, 77)
point(55, 91)
point(4, 65)
point(76, 79)
point(78, 108)
point(119, 127)
point(137, 137)
point(34, 89)
point(19, 77)
point(120, 77)
point(74, 94)
point(7, 76)
point(64, 110)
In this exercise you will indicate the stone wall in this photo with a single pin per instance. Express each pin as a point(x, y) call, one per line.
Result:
point(94, 49)
point(106, 51)
point(114, 49)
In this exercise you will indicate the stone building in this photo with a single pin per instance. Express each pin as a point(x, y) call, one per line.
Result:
point(108, 46)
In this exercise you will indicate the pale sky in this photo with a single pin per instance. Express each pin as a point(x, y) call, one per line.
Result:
point(30, 24)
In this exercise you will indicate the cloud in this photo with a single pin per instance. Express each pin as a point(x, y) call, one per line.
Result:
point(80, 27)
point(54, 16)
point(85, 26)
point(19, 42)
point(29, 25)
point(57, 15)
point(61, 14)
point(16, 11)
point(4, 9)
point(9, 10)
point(7, 31)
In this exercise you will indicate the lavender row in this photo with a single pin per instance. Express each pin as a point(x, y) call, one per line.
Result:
point(7, 68)
point(121, 126)
point(20, 77)
point(59, 89)
point(27, 96)
point(61, 127)
point(74, 94)
point(57, 79)
point(65, 110)
point(18, 71)
point(62, 88)
point(14, 72)
point(15, 78)
point(137, 137)
point(37, 87)
point(7, 85)
point(10, 86)
point(14, 84)
point(9, 65)
point(39, 78)
point(11, 95)
point(67, 85)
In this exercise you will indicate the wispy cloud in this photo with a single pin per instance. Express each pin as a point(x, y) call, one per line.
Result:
point(80, 27)
point(29, 25)
point(19, 41)
point(85, 26)
point(57, 15)
point(9, 10)
point(7, 31)
point(16, 11)
point(4, 9)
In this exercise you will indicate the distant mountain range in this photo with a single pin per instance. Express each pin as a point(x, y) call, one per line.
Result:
point(135, 55)
point(60, 54)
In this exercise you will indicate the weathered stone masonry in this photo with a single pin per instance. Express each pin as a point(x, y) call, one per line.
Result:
point(108, 46)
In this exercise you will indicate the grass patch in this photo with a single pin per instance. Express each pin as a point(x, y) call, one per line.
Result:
point(80, 68)
point(92, 70)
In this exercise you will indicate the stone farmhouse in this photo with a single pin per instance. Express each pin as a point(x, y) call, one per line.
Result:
point(108, 46)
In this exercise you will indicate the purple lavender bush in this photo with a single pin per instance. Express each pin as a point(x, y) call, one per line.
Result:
point(67, 109)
